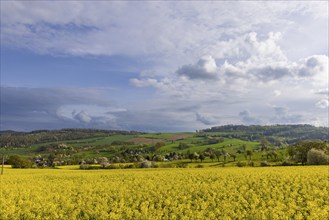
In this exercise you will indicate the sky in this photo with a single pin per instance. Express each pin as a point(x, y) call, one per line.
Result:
point(159, 66)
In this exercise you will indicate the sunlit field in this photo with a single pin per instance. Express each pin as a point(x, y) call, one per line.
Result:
point(190, 193)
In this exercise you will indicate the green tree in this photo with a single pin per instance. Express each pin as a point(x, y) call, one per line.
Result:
point(218, 154)
point(233, 156)
point(249, 154)
point(274, 154)
point(19, 162)
point(264, 144)
point(196, 156)
point(212, 156)
point(191, 157)
point(225, 156)
point(183, 146)
point(51, 159)
point(202, 157)
point(158, 145)
point(158, 158)
point(298, 151)
point(2, 163)
point(317, 157)
point(244, 148)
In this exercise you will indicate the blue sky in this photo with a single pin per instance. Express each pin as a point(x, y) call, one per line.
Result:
point(163, 66)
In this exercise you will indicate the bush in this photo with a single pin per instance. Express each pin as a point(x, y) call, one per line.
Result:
point(84, 166)
point(286, 163)
point(112, 166)
point(167, 165)
point(89, 167)
point(317, 157)
point(154, 165)
point(181, 165)
point(199, 166)
point(264, 164)
point(19, 162)
point(241, 164)
point(130, 166)
point(148, 164)
point(251, 163)
point(183, 146)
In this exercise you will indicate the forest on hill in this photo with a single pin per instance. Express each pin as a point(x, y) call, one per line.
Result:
point(288, 133)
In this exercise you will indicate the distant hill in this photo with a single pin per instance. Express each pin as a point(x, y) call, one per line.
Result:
point(43, 136)
point(276, 134)
point(72, 146)
point(287, 133)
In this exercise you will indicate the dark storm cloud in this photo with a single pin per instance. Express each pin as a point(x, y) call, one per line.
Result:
point(34, 108)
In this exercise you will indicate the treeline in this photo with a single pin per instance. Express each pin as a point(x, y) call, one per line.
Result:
point(14, 139)
point(287, 133)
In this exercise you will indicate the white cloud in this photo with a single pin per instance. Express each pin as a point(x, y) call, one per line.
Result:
point(144, 82)
point(205, 68)
point(276, 93)
point(322, 91)
point(263, 62)
point(316, 67)
point(263, 78)
point(82, 117)
point(248, 119)
point(205, 120)
point(284, 116)
point(266, 49)
point(323, 103)
point(178, 32)
point(280, 111)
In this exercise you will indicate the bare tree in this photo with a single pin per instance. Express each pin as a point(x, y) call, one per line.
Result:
point(3, 159)
point(3, 162)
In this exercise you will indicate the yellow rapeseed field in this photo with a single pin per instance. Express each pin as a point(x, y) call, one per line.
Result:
point(206, 193)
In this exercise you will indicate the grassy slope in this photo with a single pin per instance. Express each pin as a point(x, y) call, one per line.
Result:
point(171, 140)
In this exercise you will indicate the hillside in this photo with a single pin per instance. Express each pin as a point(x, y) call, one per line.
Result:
point(286, 133)
point(225, 144)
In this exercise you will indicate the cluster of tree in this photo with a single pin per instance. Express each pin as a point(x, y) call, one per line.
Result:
point(212, 154)
point(57, 149)
point(143, 164)
point(309, 152)
point(63, 154)
point(270, 155)
point(42, 161)
point(19, 162)
point(208, 140)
